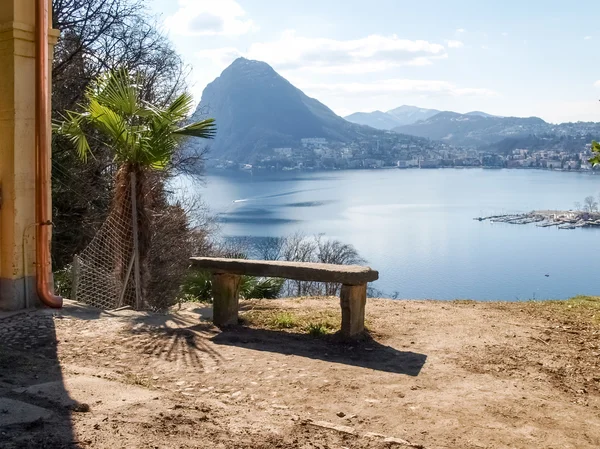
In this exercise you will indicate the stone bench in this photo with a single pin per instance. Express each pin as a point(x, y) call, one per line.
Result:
point(226, 274)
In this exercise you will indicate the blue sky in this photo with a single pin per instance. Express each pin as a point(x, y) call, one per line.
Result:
point(520, 58)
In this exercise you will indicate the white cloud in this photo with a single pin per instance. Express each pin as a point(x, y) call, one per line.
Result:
point(587, 38)
point(374, 53)
point(393, 86)
point(220, 56)
point(206, 18)
point(461, 30)
point(597, 83)
point(455, 44)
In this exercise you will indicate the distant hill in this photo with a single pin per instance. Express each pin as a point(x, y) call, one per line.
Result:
point(408, 115)
point(480, 114)
point(257, 110)
point(376, 119)
point(474, 129)
point(404, 115)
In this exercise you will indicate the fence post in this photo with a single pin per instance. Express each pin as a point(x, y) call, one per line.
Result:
point(136, 249)
point(125, 282)
point(75, 282)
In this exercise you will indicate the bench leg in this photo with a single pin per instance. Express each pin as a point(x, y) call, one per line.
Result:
point(225, 289)
point(353, 299)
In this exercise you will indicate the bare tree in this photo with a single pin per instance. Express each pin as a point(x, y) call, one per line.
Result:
point(270, 248)
point(577, 206)
point(99, 35)
point(300, 248)
point(590, 204)
point(335, 252)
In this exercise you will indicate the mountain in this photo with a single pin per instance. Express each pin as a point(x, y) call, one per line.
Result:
point(404, 115)
point(407, 115)
point(257, 110)
point(480, 114)
point(474, 129)
point(376, 119)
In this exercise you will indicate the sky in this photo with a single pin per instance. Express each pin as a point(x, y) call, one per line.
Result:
point(512, 58)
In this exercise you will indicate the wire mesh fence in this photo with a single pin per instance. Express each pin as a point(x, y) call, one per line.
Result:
point(104, 273)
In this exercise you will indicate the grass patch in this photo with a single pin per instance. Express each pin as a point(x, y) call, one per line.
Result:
point(318, 329)
point(464, 302)
point(313, 322)
point(581, 309)
point(284, 320)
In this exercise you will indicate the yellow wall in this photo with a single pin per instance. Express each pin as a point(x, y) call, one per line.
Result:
point(17, 151)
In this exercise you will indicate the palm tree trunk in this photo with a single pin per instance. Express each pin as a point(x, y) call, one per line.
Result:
point(122, 208)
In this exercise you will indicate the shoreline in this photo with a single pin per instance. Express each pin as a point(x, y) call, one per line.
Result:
point(260, 171)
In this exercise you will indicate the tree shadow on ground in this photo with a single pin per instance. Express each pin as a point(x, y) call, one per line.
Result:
point(28, 358)
point(175, 339)
point(365, 353)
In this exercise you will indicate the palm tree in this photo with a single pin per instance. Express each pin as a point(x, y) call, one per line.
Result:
point(143, 137)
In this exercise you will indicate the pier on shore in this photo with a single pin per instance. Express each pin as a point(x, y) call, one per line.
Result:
point(546, 218)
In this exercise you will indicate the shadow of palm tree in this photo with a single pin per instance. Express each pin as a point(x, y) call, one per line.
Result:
point(175, 338)
point(185, 345)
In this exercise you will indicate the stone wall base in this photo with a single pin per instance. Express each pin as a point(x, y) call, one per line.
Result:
point(17, 294)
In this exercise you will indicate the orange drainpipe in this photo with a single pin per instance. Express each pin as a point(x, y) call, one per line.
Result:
point(42, 143)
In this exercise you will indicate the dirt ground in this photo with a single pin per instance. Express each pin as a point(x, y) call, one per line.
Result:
point(430, 374)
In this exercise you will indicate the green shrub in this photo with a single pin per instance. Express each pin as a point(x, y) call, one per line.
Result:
point(317, 329)
point(63, 281)
point(197, 287)
point(260, 288)
point(284, 320)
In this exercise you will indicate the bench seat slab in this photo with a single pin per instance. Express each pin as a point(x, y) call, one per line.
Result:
point(300, 271)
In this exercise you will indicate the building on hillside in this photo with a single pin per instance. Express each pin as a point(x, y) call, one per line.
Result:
point(430, 163)
point(314, 142)
point(284, 152)
point(373, 163)
point(412, 163)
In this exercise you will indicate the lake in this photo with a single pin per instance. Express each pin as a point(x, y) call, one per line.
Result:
point(416, 226)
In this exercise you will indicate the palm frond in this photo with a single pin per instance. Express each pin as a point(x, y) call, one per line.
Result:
point(117, 90)
point(71, 128)
point(181, 107)
point(159, 148)
point(205, 129)
point(115, 127)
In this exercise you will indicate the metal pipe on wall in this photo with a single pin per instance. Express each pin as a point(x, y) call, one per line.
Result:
point(42, 144)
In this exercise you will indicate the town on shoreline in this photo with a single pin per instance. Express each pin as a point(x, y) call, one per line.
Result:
point(320, 154)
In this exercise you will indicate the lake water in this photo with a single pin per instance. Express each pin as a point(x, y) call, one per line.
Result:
point(416, 226)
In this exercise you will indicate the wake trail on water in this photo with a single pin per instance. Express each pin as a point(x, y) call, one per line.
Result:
point(241, 201)
point(266, 197)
